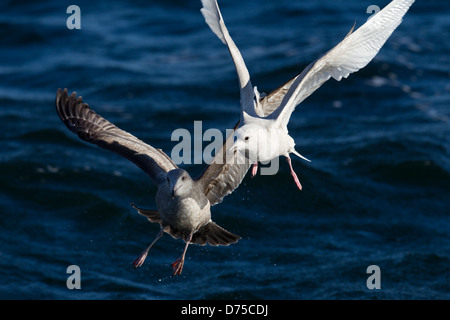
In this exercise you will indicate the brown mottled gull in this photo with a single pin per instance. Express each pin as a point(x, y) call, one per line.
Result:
point(183, 204)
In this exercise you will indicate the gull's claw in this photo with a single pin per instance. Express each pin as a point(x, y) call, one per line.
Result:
point(140, 260)
point(177, 266)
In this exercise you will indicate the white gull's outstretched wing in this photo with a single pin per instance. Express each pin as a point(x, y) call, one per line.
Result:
point(350, 55)
point(214, 19)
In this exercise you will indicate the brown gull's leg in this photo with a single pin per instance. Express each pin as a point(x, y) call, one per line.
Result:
point(177, 265)
point(140, 260)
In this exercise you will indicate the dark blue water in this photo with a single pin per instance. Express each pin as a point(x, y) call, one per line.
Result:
point(377, 191)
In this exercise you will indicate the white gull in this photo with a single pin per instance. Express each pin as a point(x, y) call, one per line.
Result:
point(262, 134)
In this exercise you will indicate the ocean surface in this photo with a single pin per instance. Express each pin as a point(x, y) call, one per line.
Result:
point(377, 191)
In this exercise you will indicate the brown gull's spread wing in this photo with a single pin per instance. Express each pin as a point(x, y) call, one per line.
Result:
point(224, 174)
point(91, 127)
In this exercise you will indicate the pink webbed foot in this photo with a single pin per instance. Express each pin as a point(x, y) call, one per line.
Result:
point(254, 169)
point(294, 175)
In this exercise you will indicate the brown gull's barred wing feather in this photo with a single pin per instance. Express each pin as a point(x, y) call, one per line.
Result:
point(91, 127)
point(224, 174)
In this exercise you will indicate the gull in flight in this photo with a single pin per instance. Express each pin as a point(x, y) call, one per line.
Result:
point(183, 203)
point(262, 134)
